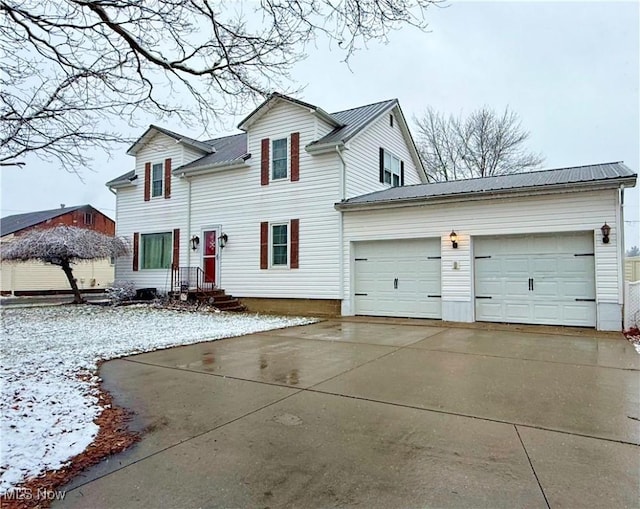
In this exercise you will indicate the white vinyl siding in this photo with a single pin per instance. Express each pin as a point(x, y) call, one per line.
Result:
point(363, 157)
point(133, 214)
point(235, 200)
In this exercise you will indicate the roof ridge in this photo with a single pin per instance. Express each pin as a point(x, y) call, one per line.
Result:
point(61, 209)
point(525, 172)
point(211, 140)
point(365, 106)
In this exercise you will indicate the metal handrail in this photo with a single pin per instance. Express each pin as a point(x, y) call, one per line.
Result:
point(185, 279)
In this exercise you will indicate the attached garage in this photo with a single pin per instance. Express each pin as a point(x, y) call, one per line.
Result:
point(536, 279)
point(398, 278)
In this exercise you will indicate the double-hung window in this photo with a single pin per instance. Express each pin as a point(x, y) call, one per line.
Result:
point(279, 245)
point(279, 162)
point(391, 169)
point(157, 180)
point(156, 250)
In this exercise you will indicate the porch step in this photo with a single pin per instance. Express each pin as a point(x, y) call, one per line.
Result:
point(217, 298)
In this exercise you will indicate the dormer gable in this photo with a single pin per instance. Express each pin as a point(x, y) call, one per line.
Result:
point(153, 130)
point(275, 99)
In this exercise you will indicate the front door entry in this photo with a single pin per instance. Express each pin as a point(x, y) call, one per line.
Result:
point(209, 255)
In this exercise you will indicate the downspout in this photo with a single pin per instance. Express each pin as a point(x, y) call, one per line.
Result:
point(343, 178)
point(188, 217)
point(621, 246)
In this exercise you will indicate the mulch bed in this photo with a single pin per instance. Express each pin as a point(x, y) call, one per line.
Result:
point(633, 335)
point(113, 437)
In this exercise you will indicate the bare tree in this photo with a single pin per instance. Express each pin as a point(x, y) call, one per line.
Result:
point(69, 67)
point(63, 246)
point(633, 252)
point(482, 145)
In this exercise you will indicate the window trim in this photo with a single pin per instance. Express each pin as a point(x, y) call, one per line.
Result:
point(390, 171)
point(142, 246)
point(287, 158)
point(288, 245)
point(91, 217)
point(160, 166)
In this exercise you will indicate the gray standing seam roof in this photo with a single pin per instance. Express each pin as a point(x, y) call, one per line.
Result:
point(17, 222)
point(498, 184)
point(227, 149)
point(354, 121)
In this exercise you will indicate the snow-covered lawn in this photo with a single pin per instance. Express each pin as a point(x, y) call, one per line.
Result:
point(46, 409)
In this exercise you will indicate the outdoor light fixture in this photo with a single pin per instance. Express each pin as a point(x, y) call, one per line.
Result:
point(606, 230)
point(224, 238)
point(195, 242)
point(454, 239)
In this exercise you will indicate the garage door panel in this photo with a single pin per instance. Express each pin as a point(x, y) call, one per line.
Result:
point(517, 310)
point(413, 264)
point(536, 279)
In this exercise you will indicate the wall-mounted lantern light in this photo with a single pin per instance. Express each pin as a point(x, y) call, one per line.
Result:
point(224, 238)
point(195, 242)
point(453, 237)
point(606, 230)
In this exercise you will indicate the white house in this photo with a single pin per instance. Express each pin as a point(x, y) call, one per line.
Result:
point(307, 211)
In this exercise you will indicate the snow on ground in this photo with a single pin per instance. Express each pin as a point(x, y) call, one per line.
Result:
point(46, 409)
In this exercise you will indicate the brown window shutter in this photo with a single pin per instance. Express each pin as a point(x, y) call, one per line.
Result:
point(264, 163)
point(264, 245)
point(136, 249)
point(147, 181)
point(176, 248)
point(295, 157)
point(167, 178)
point(295, 242)
point(381, 164)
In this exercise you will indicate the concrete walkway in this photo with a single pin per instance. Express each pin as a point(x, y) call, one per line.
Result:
point(345, 414)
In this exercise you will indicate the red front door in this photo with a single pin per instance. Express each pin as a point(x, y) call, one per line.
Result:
point(209, 255)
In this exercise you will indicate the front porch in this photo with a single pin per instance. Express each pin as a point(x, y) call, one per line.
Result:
point(191, 284)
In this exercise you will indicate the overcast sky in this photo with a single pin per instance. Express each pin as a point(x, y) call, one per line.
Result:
point(570, 70)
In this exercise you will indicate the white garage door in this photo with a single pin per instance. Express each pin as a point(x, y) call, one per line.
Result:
point(538, 279)
point(398, 278)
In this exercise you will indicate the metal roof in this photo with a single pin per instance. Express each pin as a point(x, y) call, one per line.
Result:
point(354, 120)
point(178, 137)
point(227, 150)
point(17, 222)
point(125, 178)
point(578, 175)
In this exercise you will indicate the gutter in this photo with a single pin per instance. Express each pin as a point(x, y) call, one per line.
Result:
point(324, 148)
point(486, 195)
point(199, 170)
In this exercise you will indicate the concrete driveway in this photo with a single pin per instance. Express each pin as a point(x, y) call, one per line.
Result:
point(345, 414)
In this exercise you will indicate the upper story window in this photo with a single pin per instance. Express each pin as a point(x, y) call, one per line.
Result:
point(391, 169)
point(88, 218)
point(157, 180)
point(279, 245)
point(279, 159)
point(391, 120)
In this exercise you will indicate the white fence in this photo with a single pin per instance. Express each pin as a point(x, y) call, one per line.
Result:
point(631, 304)
point(632, 269)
